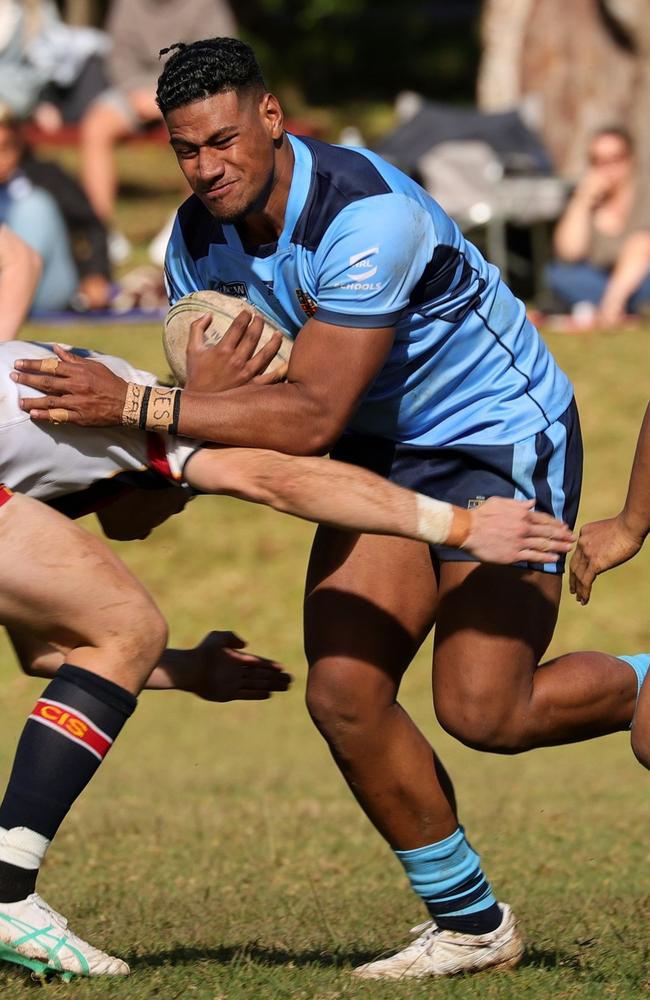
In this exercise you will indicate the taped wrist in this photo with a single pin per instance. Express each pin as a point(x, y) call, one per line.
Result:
point(439, 523)
point(151, 408)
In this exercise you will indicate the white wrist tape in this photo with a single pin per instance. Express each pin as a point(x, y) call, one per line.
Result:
point(434, 519)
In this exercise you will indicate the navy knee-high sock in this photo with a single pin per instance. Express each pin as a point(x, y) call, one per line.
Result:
point(65, 739)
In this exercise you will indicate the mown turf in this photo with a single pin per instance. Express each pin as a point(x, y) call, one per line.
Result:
point(218, 850)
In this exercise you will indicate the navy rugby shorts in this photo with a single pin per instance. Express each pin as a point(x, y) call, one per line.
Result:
point(546, 467)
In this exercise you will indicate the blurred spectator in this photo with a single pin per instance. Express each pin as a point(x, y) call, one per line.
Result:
point(87, 233)
point(48, 69)
point(138, 29)
point(33, 214)
point(602, 242)
point(20, 270)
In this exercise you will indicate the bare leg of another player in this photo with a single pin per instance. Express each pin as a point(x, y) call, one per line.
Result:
point(64, 586)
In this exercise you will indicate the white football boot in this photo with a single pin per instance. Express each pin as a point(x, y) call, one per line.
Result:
point(36, 936)
point(437, 952)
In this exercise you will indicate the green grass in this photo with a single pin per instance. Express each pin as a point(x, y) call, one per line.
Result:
point(219, 851)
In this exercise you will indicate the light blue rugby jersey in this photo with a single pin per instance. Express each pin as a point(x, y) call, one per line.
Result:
point(365, 246)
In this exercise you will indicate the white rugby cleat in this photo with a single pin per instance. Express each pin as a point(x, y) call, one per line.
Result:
point(36, 936)
point(437, 952)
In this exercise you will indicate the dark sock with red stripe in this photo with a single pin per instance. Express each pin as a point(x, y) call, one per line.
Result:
point(63, 743)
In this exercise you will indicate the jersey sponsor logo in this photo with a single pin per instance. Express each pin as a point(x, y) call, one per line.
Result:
point(307, 303)
point(361, 266)
point(362, 269)
point(237, 288)
point(73, 725)
point(361, 286)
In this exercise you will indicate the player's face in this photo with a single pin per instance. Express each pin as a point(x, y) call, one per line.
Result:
point(226, 147)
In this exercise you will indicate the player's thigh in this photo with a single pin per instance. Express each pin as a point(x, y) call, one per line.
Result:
point(65, 586)
point(494, 624)
point(370, 602)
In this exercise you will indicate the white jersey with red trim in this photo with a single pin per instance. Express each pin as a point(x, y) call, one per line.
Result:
point(79, 468)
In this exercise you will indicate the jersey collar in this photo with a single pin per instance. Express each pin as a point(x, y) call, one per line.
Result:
point(298, 191)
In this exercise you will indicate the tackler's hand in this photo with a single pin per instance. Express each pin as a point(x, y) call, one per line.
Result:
point(74, 389)
point(511, 531)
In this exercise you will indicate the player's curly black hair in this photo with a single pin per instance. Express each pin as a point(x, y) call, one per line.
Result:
point(201, 69)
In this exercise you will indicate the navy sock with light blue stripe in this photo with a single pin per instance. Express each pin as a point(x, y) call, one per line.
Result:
point(447, 876)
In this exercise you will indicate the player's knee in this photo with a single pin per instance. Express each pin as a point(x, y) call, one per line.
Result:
point(641, 745)
point(339, 711)
point(480, 726)
point(143, 637)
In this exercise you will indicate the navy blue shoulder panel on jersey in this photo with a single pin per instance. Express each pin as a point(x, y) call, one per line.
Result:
point(340, 176)
point(198, 227)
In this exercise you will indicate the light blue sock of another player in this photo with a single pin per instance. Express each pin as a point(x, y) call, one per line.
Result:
point(640, 665)
point(447, 876)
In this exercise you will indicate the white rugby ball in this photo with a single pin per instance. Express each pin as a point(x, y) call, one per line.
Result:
point(223, 309)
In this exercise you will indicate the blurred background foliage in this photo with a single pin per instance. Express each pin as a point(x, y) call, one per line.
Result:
point(327, 51)
point(340, 49)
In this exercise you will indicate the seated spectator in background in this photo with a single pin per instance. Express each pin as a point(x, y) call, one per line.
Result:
point(20, 271)
point(48, 69)
point(33, 214)
point(602, 242)
point(87, 233)
point(138, 30)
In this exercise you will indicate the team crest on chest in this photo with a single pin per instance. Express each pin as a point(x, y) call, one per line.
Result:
point(307, 303)
point(237, 288)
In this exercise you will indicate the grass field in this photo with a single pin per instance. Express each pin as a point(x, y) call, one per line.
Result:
point(219, 852)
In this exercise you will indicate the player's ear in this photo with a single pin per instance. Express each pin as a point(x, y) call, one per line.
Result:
point(272, 115)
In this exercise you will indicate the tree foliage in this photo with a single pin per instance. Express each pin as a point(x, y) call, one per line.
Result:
point(347, 50)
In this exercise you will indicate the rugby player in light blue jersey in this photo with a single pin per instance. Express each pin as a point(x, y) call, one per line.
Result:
point(411, 358)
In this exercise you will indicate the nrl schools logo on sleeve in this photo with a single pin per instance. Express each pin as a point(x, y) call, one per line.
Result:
point(362, 268)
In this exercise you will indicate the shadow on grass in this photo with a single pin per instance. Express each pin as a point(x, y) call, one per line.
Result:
point(252, 952)
point(541, 958)
point(536, 958)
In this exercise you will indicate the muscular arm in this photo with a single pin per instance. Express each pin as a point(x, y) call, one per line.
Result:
point(605, 544)
point(329, 371)
point(636, 512)
point(216, 669)
point(354, 499)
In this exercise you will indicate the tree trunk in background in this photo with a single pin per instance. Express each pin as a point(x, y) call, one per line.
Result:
point(634, 18)
point(82, 12)
point(502, 35)
point(573, 66)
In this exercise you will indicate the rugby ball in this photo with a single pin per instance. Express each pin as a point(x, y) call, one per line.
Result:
point(223, 309)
